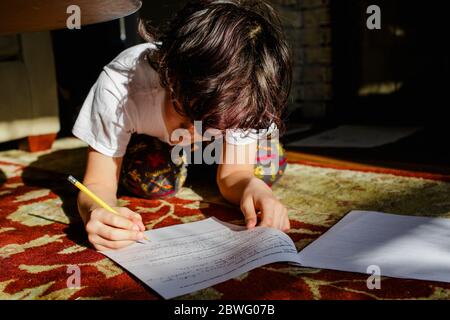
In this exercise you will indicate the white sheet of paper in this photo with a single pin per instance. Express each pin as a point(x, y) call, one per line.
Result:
point(188, 257)
point(355, 137)
point(401, 246)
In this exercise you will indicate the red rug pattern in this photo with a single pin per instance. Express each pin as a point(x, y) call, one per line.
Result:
point(41, 236)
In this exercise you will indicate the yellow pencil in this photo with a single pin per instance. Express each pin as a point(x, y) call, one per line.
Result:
point(89, 193)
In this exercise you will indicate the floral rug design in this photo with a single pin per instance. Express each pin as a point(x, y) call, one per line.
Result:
point(42, 237)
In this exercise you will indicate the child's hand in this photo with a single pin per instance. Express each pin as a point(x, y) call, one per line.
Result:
point(107, 230)
point(258, 196)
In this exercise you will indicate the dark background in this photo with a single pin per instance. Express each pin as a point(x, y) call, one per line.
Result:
point(340, 68)
point(410, 49)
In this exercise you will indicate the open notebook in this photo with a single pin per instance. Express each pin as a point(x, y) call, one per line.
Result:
point(184, 258)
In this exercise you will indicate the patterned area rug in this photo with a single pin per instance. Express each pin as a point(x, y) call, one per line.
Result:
point(41, 235)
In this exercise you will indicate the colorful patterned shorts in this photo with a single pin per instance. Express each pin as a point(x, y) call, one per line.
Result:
point(148, 170)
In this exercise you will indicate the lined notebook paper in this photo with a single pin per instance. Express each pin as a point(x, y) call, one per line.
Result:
point(184, 258)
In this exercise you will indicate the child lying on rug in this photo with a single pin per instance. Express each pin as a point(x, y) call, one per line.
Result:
point(224, 63)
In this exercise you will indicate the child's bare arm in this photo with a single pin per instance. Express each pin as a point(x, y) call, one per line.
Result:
point(238, 185)
point(107, 230)
point(101, 177)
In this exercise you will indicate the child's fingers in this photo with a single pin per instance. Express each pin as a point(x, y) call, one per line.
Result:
point(105, 244)
point(277, 215)
point(115, 234)
point(100, 248)
point(281, 213)
point(283, 221)
point(277, 220)
point(141, 226)
point(133, 216)
point(268, 213)
point(127, 213)
point(286, 224)
point(139, 223)
point(248, 209)
point(116, 221)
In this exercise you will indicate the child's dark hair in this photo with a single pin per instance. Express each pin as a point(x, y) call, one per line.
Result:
point(226, 63)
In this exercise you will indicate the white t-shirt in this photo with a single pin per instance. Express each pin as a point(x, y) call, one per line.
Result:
point(127, 98)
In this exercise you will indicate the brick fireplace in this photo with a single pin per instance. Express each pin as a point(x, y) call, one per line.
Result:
point(346, 72)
